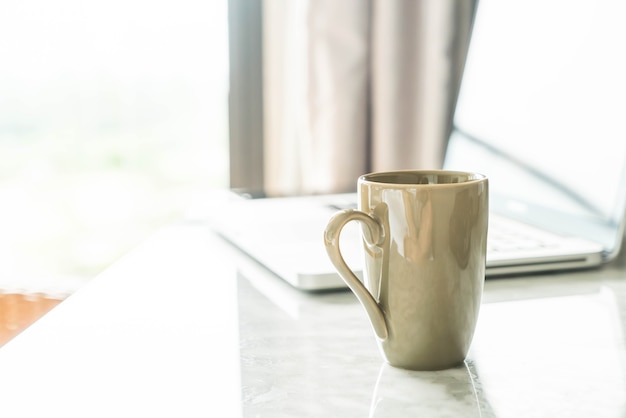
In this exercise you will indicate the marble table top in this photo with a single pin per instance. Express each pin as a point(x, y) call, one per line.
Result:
point(545, 346)
point(185, 326)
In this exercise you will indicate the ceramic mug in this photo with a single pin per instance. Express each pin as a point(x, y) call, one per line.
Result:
point(425, 241)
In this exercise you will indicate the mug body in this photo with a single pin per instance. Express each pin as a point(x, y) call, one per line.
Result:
point(428, 274)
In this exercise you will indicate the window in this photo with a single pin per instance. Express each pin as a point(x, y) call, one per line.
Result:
point(113, 117)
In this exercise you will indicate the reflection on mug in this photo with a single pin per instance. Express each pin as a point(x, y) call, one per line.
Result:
point(404, 393)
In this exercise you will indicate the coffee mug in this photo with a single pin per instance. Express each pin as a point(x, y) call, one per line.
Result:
point(425, 243)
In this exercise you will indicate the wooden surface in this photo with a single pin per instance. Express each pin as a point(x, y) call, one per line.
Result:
point(18, 311)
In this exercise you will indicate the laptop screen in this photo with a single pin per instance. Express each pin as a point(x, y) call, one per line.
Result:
point(542, 112)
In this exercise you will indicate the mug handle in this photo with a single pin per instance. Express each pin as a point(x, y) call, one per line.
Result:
point(375, 235)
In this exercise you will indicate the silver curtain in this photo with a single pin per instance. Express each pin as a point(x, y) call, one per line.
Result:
point(354, 86)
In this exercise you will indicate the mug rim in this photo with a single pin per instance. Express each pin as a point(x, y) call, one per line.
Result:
point(376, 176)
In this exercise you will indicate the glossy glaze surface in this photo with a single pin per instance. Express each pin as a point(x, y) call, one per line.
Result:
point(425, 238)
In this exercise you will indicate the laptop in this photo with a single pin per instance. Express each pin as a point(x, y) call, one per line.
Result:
point(540, 111)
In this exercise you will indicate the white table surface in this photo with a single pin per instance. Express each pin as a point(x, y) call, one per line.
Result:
point(184, 326)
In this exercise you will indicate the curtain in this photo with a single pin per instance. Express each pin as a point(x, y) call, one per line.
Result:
point(354, 86)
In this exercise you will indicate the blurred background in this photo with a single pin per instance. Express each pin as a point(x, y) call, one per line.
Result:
point(113, 115)
point(117, 117)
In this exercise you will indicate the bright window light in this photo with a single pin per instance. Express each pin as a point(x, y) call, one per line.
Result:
point(113, 117)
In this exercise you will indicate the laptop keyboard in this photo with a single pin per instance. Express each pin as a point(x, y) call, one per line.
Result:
point(508, 236)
